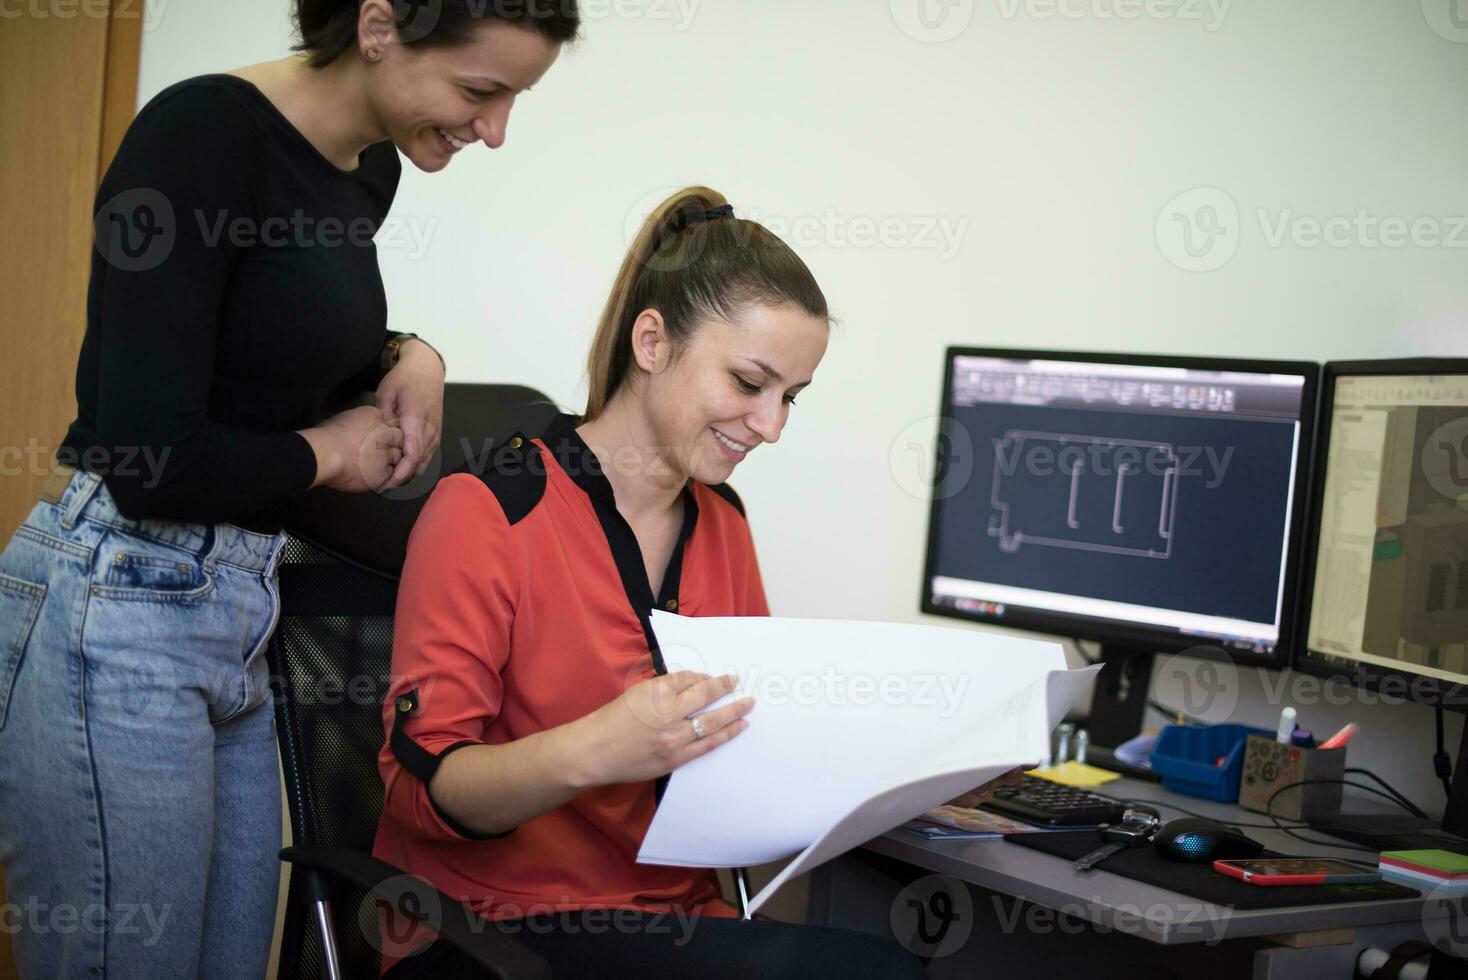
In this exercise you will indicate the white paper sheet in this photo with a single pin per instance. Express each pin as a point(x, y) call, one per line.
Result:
point(857, 728)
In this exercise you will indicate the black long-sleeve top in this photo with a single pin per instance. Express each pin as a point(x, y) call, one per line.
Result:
point(234, 288)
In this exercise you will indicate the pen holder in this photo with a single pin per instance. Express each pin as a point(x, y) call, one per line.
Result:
point(1269, 764)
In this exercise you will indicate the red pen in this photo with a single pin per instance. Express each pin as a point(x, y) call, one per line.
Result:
point(1340, 738)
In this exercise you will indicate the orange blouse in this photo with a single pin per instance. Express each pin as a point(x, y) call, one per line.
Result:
point(524, 605)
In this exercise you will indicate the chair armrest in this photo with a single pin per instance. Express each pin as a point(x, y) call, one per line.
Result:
point(505, 957)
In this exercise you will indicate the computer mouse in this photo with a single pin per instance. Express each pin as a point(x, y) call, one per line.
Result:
point(1197, 841)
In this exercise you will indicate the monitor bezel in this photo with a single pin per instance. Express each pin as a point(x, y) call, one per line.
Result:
point(1413, 686)
point(1149, 638)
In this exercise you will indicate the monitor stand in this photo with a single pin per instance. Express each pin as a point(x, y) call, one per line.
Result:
point(1118, 704)
point(1404, 832)
point(1120, 699)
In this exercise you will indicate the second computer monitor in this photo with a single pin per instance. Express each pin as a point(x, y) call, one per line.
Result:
point(1149, 502)
point(1388, 598)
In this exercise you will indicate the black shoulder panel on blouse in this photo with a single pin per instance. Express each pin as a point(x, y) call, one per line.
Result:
point(514, 471)
point(727, 492)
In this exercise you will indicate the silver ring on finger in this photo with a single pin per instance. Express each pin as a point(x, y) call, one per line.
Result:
point(698, 731)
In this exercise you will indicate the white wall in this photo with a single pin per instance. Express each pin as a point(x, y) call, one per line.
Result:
point(1055, 144)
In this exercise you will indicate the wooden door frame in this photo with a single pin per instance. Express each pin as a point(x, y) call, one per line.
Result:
point(119, 97)
point(120, 86)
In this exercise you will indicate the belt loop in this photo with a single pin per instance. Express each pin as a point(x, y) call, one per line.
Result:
point(84, 492)
point(277, 551)
point(212, 546)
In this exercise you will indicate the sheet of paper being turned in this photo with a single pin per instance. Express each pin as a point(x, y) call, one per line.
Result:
point(857, 728)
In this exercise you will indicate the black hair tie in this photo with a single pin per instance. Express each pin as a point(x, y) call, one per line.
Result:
point(684, 218)
point(712, 214)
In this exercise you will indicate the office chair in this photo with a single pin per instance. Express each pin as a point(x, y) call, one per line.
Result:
point(330, 661)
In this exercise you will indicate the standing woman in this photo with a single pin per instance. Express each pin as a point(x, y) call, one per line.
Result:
point(234, 292)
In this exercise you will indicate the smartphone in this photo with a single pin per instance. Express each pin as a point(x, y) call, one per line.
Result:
point(1297, 871)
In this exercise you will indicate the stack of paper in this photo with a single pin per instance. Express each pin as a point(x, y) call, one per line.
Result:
point(857, 728)
point(1446, 872)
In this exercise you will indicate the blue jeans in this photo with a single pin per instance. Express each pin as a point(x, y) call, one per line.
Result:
point(139, 802)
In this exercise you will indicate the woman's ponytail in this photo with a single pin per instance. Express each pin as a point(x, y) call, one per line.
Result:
point(611, 349)
point(692, 260)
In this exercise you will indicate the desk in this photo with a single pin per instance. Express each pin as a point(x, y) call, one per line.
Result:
point(1095, 924)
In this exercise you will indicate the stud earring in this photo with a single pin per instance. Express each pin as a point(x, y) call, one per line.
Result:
point(373, 54)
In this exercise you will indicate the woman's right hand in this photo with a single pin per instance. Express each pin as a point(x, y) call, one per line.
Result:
point(646, 732)
point(356, 450)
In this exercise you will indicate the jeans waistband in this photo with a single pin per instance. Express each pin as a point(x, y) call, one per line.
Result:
point(85, 497)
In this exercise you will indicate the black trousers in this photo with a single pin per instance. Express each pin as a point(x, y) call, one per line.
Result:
point(617, 944)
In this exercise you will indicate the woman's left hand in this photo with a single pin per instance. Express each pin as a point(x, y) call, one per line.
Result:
point(981, 794)
point(412, 393)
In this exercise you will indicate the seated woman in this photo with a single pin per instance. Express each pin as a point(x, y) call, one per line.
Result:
point(531, 720)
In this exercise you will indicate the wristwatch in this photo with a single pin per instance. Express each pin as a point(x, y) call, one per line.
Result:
point(393, 349)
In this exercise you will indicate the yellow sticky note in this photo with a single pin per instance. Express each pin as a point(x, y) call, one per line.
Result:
point(1075, 774)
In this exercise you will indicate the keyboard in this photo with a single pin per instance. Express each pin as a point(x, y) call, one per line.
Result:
point(1040, 801)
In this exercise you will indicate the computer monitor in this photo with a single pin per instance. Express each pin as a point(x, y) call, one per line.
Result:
point(1152, 503)
point(1387, 567)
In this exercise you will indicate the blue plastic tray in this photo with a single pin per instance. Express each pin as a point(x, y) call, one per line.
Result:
point(1186, 757)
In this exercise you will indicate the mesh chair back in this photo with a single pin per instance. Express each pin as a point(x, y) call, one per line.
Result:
point(330, 659)
point(331, 656)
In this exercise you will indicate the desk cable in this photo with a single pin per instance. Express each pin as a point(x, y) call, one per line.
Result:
point(1442, 763)
point(1278, 822)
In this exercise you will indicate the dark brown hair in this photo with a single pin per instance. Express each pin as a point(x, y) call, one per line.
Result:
point(690, 269)
point(329, 27)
